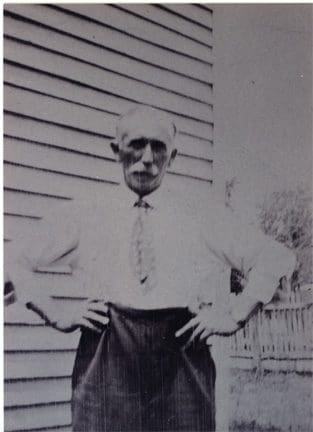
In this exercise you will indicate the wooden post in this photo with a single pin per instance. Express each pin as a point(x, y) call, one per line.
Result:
point(256, 345)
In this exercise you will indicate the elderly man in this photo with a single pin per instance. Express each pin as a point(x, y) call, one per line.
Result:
point(155, 279)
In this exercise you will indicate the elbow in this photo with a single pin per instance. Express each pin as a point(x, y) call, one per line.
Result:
point(9, 293)
point(276, 261)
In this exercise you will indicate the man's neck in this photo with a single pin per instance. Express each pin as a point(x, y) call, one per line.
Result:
point(152, 198)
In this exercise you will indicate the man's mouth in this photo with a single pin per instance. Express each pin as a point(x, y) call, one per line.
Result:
point(143, 175)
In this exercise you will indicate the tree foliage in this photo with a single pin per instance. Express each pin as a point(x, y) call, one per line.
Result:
point(287, 216)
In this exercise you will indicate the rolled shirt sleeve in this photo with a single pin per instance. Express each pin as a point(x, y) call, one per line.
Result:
point(273, 262)
point(261, 259)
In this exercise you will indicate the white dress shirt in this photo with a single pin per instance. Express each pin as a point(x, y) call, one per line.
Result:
point(195, 245)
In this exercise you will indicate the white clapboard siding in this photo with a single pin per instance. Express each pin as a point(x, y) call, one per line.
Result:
point(37, 338)
point(38, 364)
point(149, 32)
point(52, 183)
point(69, 71)
point(178, 109)
point(153, 13)
point(27, 204)
point(30, 392)
point(38, 417)
point(207, 8)
point(39, 81)
point(192, 13)
point(43, 156)
point(128, 25)
point(82, 116)
point(62, 112)
point(171, 83)
point(122, 43)
point(178, 106)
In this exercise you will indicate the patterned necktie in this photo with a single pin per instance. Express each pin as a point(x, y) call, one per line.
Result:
point(142, 257)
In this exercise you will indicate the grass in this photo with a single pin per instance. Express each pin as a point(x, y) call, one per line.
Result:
point(276, 401)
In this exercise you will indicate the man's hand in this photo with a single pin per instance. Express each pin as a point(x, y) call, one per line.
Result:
point(90, 314)
point(209, 322)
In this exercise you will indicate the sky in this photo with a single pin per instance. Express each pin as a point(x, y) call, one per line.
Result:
point(263, 99)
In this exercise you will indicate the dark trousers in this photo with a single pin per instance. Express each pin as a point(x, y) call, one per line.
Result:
point(137, 376)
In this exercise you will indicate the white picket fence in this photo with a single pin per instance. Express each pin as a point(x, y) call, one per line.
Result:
point(277, 337)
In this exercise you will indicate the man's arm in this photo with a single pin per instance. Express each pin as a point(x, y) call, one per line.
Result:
point(54, 245)
point(273, 262)
point(263, 262)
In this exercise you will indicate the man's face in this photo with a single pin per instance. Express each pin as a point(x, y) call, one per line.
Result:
point(145, 152)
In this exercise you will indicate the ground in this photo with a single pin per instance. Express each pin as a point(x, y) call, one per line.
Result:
point(273, 402)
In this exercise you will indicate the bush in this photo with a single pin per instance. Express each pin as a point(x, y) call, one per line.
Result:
point(287, 216)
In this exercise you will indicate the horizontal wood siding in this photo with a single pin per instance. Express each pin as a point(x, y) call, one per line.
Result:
point(38, 364)
point(156, 14)
point(38, 391)
point(69, 72)
point(38, 417)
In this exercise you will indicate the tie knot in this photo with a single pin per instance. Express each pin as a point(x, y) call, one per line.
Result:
point(142, 204)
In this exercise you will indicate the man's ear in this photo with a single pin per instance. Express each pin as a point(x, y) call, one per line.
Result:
point(173, 156)
point(116, 150)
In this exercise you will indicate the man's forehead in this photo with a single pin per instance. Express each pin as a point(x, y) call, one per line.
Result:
point(150, 124)
point(148, 131)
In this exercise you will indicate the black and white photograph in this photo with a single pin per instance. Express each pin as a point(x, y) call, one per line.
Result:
point(157, 173)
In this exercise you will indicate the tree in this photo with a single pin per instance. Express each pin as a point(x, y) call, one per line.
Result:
point(287, 216)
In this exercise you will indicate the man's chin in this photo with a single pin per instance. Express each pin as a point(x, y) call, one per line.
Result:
point(142, 188)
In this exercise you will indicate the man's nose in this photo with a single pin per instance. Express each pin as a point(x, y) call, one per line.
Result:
point(147, 157)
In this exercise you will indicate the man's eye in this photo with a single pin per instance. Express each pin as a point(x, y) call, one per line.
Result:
point(137, 144)
point(158, 146)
